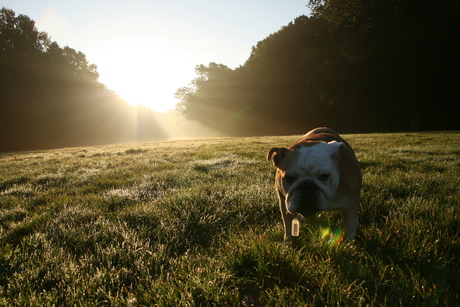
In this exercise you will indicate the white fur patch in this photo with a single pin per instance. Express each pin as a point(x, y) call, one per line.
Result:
point(316, 162)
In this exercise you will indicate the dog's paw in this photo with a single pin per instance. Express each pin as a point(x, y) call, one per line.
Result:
point(290, 242)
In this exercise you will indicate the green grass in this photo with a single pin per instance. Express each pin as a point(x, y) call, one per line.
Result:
point(196, 223)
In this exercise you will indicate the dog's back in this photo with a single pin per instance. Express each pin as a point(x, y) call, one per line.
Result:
point(320, 135)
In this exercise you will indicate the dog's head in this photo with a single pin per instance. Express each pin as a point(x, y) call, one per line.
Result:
point(307, 174)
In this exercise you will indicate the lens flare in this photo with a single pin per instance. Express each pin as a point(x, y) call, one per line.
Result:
point(325, 231)
point(332, 236)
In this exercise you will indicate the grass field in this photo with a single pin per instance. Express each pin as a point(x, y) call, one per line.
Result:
point(196, 223)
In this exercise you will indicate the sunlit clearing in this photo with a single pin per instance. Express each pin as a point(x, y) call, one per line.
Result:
point(176, 126)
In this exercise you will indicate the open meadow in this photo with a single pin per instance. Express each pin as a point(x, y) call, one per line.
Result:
point(197, 223)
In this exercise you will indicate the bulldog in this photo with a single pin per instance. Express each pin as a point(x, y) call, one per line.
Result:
point(317, 173)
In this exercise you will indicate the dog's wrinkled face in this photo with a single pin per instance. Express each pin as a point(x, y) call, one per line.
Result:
point(307, 175)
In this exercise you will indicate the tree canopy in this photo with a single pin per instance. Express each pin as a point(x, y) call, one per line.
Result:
point(353, 65)
point(50, 96)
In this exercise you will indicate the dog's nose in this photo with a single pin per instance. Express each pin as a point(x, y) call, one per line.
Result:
point(303, 197)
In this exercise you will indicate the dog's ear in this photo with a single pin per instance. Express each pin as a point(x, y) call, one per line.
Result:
point(335, 148)
point(277, 154)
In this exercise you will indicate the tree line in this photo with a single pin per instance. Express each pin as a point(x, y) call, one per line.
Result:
point(353, 65)
point(50, 96)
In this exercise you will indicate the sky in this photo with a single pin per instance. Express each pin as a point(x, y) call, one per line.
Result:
point(146, 49)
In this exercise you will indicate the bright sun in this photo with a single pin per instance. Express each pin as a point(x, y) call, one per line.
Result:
point(143, 75)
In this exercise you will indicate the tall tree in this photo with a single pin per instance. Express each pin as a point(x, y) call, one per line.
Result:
point(213, 98)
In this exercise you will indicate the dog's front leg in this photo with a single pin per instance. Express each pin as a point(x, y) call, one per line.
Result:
point(350, 221)
point(287, 221)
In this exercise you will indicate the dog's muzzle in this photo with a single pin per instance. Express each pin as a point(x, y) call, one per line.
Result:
point(304, 197)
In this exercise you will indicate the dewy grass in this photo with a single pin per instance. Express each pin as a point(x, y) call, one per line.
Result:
point(196, 223)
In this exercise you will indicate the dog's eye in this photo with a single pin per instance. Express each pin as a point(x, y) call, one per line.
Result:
point(324, 177)
point(290, 179)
